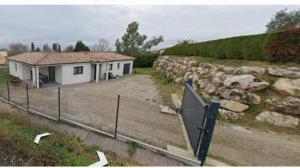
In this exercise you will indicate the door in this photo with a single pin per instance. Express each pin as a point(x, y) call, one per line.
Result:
point(126, 69)
point(95, 69)
point(52, 74)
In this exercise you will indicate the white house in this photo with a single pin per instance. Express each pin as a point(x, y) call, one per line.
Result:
point(68, 68)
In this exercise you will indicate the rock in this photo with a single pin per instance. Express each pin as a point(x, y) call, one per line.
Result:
point(241, 96)
point(290, 105)
point(209, 88)
point(166, 109)
point(228, 69)
point(179, 80)
point(248, 70)
point(247, 82)
point(288, 72)
point(233, 105)
point(278, 119)
point(289, 86)
point(226, 114)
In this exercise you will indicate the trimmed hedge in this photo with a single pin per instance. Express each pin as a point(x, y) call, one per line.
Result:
point(250, 47)
point(145, 60)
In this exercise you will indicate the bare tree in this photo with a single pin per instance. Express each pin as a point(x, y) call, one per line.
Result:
point(69, 48)
point(17, 48)
point(102, 45)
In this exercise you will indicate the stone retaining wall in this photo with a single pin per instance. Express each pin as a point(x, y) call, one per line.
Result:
point(237, 88)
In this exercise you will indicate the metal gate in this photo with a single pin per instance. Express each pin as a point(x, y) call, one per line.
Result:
point(199, 119)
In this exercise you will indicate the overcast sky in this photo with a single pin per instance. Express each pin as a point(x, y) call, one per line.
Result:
point(67, 24)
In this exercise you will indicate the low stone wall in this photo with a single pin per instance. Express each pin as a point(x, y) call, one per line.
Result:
point(237, 88)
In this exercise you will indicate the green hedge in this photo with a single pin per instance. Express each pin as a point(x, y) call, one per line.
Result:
point(250, 47)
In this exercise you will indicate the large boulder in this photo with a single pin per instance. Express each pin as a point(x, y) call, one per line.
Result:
point(241, 96)
point(227, 114)
point(233, 105)
point(289, 86)
point(291, 72)
point(249, 70)
point(278, 119)
point(247, 82)
point(210, 88)
point(290, 105)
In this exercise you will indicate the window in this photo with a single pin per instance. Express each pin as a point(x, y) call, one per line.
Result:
point(16, 67)
point(118, 65)
point(78, 70)
point(110, 66)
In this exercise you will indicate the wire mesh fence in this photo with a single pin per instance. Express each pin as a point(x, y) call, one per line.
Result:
point(144, 121)
point(3, 90)
point(44, 100)
point(98, 112)
point(137, 119)
point(17, 93)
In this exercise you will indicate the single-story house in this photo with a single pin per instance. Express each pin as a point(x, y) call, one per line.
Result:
point(69, 67)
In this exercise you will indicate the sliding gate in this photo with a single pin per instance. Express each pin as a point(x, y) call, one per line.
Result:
point(199, 119)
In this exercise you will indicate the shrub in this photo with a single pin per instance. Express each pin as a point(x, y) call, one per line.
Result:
point(284, 46)
point(242, 47)
point(145, 60)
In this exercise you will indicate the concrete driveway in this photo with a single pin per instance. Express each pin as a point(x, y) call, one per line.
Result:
point(96, 104)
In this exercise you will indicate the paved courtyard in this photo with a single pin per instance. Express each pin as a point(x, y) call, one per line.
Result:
point(96, 104)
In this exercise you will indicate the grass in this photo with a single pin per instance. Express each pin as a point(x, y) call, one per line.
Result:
point(240, 62)
point(16, 141)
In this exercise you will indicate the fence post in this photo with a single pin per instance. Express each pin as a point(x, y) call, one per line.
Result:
point(27, 96)
point(58, 103)
point(8, 95)
point(117, 116)
point(189, 82)
point(209, 129)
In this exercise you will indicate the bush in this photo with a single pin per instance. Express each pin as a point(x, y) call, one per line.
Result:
point(284, 46)
point(145, 60)
point(242, 47)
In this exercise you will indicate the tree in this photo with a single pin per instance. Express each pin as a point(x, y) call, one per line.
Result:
point(17, 48)
point(133, 43)
point(284, 20)
point(102, 45)
point(59, 48)
point(32, 47)
point(70, 48)
point(38, 49)
point(54, 47)
point(80, 46)
point(46, 48)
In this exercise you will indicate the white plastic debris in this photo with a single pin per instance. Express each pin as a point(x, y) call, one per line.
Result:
point(39, 136)
point(103, 161)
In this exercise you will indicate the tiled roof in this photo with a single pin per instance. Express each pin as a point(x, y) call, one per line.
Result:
point(50, 58)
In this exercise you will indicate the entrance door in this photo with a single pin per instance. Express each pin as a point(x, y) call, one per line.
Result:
point(95, 69)
point(126, 69)
point(52, 74)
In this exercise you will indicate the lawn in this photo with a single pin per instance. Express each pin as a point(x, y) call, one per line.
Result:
point(16, 141)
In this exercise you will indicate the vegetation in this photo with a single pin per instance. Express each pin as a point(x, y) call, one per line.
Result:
point(80, 46)
point(17, 48)
point(133, 43)
point(284, 20)
point(132, 147)
point(242, 47)
point(145, 60)
point(284, 46)
point(69, 48)
point(101, 46)
point(16, 141)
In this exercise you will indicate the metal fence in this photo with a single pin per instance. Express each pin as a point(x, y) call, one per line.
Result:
point(199, 120)
point(119, 116)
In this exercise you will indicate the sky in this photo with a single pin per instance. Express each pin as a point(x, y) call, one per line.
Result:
point(68, 24)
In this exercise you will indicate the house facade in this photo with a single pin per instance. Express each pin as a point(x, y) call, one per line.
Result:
point(39, 68)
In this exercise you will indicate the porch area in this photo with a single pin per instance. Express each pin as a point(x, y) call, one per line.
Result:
point(44, 76)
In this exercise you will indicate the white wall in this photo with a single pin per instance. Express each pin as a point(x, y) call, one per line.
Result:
point(12, 69)
point(26, 71)
point(68, 76)
point(59, 75)
point(119, 71)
